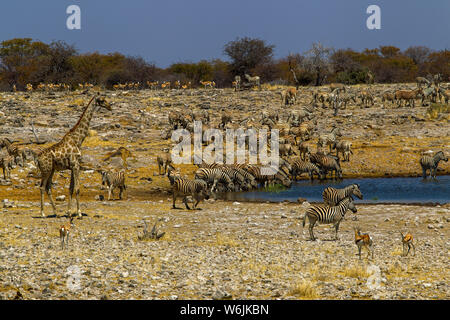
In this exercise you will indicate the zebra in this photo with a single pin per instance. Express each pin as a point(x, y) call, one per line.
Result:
point(213, 176)
point(343, 147)
point(15, 150)
point(422, 80)
point(431, 163)
point(332, 196)
point(330, 138)
point(237, 178)
point(304, 150)
point(114, 179)
point(197, 188)
point(249, 178)
point(300, 166)
point(327, 163)
point(430, 92)
point(7, 163)
point(254, 80)
point(327, 215)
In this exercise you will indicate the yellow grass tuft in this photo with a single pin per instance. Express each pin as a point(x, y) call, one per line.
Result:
point(355, 272)
point(224, 240)
point(304, 289)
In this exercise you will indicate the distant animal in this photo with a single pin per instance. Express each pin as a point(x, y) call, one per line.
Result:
point(210, 84)
point(421, 80)
point(339, 86)
point(329, 138)
point(363, 240)
point(407, 95)
point(388, 96)
point(254, 80)
point(237, 83)
point(289, 96)
point(344, 147)
point(123, 152)
point(164, 161)
point(407, 242)
point(328, 215)
point(64, 232)
point(114, 179)
point(7, 163)
point(304, 150)
point(431, 163)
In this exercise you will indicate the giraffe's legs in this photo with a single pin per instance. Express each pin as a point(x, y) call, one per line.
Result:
point(71, 187)
point(76, 175)
point(46, 186)
point(74, 187)
point(49, 192)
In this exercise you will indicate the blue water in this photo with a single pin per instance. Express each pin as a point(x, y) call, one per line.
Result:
point(374, 190)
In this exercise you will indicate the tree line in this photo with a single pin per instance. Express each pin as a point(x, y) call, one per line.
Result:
point(26, 61)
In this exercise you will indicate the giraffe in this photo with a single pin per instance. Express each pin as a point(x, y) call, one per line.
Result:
point(66, 155)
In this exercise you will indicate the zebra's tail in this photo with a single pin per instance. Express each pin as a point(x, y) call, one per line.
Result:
point(304, 220)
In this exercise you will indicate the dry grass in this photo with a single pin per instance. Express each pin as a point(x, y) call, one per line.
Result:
point(355, 271)
point(304, 289)
point(224, 240)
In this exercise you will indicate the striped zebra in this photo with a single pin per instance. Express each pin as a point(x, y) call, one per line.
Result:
point(328, 215)
point(197, 188)
point(7, 163)
point(238, 179)
point(214, 175)
point(327, 163)
point(344, 147)
point(332, 196)
point(329, 138)
point(300, 166)
point(431, 163)
point(14, 149)
point(114, 179)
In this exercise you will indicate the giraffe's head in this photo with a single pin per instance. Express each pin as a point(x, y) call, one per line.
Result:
point(101, 102)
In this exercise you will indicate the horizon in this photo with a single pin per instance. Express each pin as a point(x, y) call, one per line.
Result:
point(188, 25)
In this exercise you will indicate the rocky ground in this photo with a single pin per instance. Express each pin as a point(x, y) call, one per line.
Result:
point(227, 250)
point(224, 251)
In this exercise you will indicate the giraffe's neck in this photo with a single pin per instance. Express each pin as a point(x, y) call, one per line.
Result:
point(80, 131)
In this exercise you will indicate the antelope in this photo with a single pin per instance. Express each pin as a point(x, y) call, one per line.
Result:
point(152, 84)
point(408, 95)
point(29, 87)
point(289, 96)
point(363, 240)
point(64, 232)
point(339, 86)
point(210, 84)
point(165, 84)
point(407, 241)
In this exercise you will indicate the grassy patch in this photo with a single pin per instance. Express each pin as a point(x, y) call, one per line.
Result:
point(224, 240)
point(435, 109)
point(304, 289)
point(355, 272)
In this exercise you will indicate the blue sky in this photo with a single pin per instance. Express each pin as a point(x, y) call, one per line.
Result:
point(165, 32)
